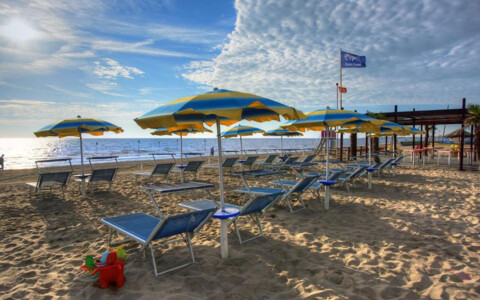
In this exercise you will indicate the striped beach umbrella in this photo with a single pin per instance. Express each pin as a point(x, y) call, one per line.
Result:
point(281, 133)
point(76, 127)
point(325, 119)
point(217, 107)
point(241, 130)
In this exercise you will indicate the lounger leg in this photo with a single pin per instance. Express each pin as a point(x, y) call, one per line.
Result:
point(237, 231)
point(152, 251)
point(110, 234)
point(189, 244)
point(63, 192)
point(110, 186)
point(259, 224)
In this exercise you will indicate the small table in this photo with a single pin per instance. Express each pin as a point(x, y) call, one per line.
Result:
point(226, 213)
point(370, 170)
point(327, 184)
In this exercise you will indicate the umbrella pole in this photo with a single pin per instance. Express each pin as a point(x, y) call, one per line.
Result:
point(84, 192)
point(181, 157)
point(369, 163)
point(241, 153)
point(281, 143)
point(223, 222)
point(326, 203)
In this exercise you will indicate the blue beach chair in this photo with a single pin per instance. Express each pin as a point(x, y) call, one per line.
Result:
point(253, 209)
point(145, 230)
point(297, 189)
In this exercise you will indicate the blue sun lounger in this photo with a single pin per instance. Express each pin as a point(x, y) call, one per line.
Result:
point(253, 209)
point(297, 189)
point(145, 230)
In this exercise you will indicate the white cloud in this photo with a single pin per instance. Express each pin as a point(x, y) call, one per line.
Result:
point(25, 102)
point(417, 51)
point(68, 92)
point(138, 48)
point(111, 69)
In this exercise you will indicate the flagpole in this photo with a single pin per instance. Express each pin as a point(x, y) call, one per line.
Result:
point(341, 84)
point(337, 94)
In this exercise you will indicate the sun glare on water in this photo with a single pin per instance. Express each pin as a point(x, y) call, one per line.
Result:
point(18, 30)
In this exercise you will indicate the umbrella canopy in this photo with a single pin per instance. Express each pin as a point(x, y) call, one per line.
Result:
point(323, 119)
point(281, 133)
point(75, 127)
point(220, 107)
point(241, 130)
point(229, 106)
point(457, 133)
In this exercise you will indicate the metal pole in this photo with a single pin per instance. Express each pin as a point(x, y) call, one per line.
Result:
point(182, 175)
point(223, 222)
point(395, 135)
point(337, 94)
point(413, 138)
point(84, 190)
point(341, 84)
point(462, 136)
point(326, 204)
point(281, 143)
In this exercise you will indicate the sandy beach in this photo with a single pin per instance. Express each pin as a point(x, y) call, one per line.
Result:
point(414, 236)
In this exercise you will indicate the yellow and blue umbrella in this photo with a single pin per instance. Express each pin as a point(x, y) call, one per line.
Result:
point(217, 107)
point(75, 127)
point(281, 133)
point(324, 119)
point(241, 130)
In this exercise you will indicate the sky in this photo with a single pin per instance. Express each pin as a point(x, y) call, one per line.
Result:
point(117, 60)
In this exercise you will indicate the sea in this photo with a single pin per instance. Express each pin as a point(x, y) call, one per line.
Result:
point(21, 153)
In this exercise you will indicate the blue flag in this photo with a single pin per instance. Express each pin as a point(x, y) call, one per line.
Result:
point(353, 61)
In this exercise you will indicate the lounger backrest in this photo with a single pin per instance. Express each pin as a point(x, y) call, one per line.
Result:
point(57, 177)
point(309, 158)
point(291, 160)
point(335, 176)
point(103, 174)
point(229, 162)
point(284, 158)
point(270, 158)
point(250, 160)
point(193, 166)
point(188, 222)
point(162, 169)
point(303, 184)
point(398, 159)
point(258, 204)
point(357, 171)
point(386, 163)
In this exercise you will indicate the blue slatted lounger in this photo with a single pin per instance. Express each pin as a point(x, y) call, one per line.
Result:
point(253, 208)
point(145, 230)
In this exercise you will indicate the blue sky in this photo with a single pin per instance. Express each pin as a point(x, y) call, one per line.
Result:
point(117, 60)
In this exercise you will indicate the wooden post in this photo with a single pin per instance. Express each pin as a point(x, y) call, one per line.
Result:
point(426, 138)
point(394, 135)
point(462, 136)
point(353, 144)
point(433, 135)
point(413, 124)
point(471, 144)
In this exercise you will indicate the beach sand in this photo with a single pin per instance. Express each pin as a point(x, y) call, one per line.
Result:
point(413, 236)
